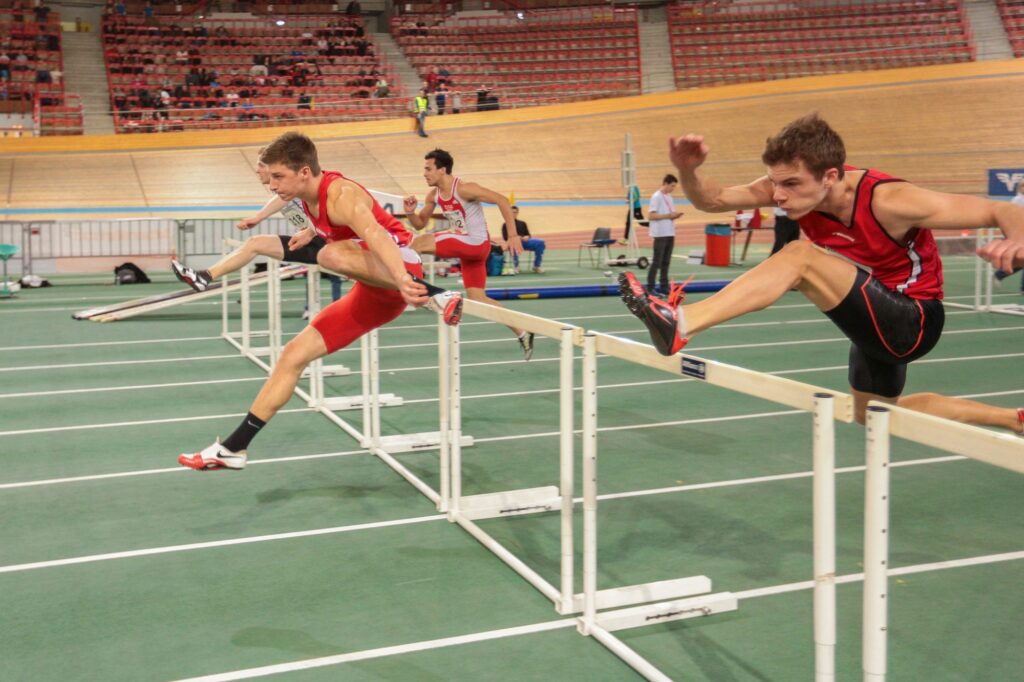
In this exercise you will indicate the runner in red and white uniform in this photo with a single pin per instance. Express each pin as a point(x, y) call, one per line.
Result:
point(467, 237)
point(871, 264)
point(365, 243)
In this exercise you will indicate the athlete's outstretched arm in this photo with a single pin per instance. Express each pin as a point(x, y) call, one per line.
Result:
point(902, 206)
point(418, 219)
point(687, 153)
point(353, 208)
point(272, 206)
point(475, 192)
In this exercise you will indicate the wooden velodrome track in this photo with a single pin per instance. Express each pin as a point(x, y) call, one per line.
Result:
point(938, 126)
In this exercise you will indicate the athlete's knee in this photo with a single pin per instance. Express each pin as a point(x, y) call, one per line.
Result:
point(475, 294)
point(293, 358)
point(918, 401)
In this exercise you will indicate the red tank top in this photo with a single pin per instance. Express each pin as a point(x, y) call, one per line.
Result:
point(910, 267)
point(336, 233)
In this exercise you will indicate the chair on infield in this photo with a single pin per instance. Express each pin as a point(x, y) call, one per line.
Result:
point(6, 251)
point(602, 239)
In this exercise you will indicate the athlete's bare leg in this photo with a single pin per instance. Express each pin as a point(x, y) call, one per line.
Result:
point(480, 296)
point(347, 258)
point(260, 245)
point(962, 410)
point(424, 243)
point(823, 278)
point(278, 389)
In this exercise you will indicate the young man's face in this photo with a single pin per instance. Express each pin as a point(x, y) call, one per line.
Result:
point(287, 183)
point(263, 173)
point(432, 174)
point(668, 187)
point(796, 190)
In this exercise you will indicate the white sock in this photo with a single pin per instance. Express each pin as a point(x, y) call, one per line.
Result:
point(680, 322)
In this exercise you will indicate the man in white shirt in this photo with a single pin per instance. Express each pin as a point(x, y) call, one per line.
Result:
point(662, 215)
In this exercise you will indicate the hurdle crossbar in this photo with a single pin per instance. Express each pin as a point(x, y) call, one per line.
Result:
point(883, 422)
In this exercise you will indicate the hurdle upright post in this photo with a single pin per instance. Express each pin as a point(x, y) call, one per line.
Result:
point(876, 544)
point(565, 453)
point(373, 398)
point(824, 494)
point(589, 484)
point(455, 419)
point(444, 409)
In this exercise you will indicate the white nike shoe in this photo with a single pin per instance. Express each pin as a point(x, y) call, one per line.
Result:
point(448, 304)
point(215, 456)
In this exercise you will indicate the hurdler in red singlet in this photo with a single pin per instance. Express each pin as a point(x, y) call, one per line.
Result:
point(363, 242)
point(364, 307)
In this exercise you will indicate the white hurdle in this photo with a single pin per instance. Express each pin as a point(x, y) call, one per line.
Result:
point(603, 611)
point(465, 510)
point(883, 422)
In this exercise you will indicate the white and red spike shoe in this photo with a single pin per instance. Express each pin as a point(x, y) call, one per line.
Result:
point(215, 456)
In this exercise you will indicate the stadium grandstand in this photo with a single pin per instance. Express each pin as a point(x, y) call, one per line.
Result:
point(164, 66)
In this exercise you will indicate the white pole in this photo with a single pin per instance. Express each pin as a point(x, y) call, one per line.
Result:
point(364, 370)
point(224, 299)
point(565, 454)
point(316, 368)
point(444, 403)
point(989, 272)
point(824, 538)
point(246, 329)
point(876, 544)
point(274, 309)
point(374, 397)
point(455, 414)
point(589, 482)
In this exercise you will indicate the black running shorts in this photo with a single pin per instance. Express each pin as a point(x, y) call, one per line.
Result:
point(888, 330)
point(307, 254)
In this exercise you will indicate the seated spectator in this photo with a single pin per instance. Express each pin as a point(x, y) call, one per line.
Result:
point(529, 243)
point(353, 9)
point(305, 101)
point(383, 90)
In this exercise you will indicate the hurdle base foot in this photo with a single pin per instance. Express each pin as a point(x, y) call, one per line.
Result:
point(666, 612)
point(644, 593)
point(329, 371)
point(355, 402)
point(409, 442)
point(510, 503)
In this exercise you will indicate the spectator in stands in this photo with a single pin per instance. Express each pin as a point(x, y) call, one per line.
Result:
point(430, 80)
point(305, 101)
point(483, 98)
point(120, 9)
point(43, 76)
point(181, 56)
point(420, 105)
point(382, 89)
point(456, 102)
point(5, 65)
point(529, 242)
point(147, 12)
point(5, 89)
point(441, 98)
point(20, 62)
point(353, 9)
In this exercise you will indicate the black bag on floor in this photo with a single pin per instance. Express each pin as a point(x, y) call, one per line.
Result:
point(129, 273)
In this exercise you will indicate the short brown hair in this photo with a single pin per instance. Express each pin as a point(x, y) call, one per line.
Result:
point(294, 150)
point(808, 139)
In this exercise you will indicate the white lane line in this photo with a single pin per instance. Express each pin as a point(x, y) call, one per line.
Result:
point(92, 344)
point(172, 470)
point(893, 572)
point(145, 422)
point(426, 645)
point(113, 363)
point(381, 652)
point(136, 387)
point(130, 554)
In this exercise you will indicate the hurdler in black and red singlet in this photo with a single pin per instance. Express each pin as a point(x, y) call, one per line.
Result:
point(893, 314)
point(364, 307)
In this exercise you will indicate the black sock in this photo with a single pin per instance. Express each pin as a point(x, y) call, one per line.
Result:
point(431, 289)
point(243, 435)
